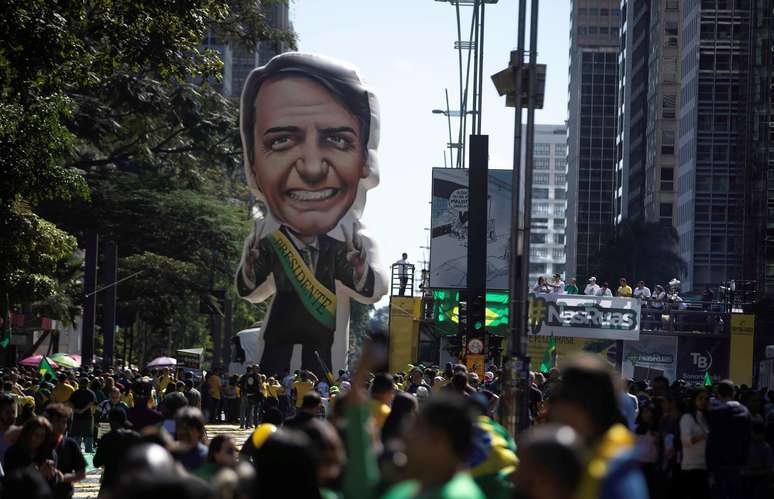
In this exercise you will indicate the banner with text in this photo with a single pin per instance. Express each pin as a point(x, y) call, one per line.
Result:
point(597, 317)
point(567, 347)
point(697, 355)
point(651, 356)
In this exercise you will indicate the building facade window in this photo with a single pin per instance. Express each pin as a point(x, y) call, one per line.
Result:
point(538, 193)
point(542, 149)
point(668, 179)
point(541, 164)
point(540, 178)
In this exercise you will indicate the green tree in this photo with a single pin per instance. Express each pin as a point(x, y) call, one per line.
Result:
point(110, 120)
point(639, 250)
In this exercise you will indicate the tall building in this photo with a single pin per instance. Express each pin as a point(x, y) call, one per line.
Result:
point(591, 133)
point(549, 201)
point(663, 102)
point(648, 99)
point(631, 129)
point(713, 145)
point(759, 246)
point(239, 60)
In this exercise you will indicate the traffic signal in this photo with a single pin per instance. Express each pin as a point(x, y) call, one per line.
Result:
point(477, 313)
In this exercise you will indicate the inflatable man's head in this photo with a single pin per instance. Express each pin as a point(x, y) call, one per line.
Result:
point(310, 131)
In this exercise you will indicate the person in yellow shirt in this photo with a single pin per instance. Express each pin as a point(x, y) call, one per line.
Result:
point(213, 384)
point(62, 391)
point(382, 394)
point(624, 290)
point(301, 387)
point(163, 381)
point(274, 389)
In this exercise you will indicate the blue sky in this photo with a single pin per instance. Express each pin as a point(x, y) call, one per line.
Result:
point(404, 50)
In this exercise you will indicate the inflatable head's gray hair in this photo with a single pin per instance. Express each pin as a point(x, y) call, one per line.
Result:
point(343, 82)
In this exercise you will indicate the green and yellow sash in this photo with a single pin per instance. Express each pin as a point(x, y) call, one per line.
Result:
point(318, 300)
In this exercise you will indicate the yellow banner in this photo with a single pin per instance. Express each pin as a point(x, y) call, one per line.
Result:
point(476, 364)
point(741, 351)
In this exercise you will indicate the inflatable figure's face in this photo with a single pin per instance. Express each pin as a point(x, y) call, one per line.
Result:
point(309, 155)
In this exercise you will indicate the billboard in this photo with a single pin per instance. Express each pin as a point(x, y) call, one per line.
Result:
point(653, 355)
point(578, 316)
point(697, 355)
point(567, 347)
point(446, 312)
point(310, 132)
point(449, 229)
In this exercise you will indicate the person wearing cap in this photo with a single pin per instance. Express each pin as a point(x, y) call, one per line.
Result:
point(592, 288)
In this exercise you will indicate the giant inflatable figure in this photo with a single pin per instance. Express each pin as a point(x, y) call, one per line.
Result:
point(310, 131)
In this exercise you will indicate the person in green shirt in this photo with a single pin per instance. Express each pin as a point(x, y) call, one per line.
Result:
point(572, 287)
point(436, 446)
point(221, 454)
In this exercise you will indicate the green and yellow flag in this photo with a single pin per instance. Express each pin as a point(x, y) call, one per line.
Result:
point(44, 367)
point(549, 356)
point(707, 379)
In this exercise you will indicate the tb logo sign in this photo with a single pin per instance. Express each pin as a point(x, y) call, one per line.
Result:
point(702, 361)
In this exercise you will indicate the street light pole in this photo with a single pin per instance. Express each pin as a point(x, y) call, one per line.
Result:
point(529, 154)
point(517, 305)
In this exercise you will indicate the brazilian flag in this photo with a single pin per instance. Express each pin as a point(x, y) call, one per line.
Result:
point(492, 458)
point(446, 312)
point(45, 367)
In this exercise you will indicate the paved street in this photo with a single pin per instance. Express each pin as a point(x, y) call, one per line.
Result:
point(89, 488)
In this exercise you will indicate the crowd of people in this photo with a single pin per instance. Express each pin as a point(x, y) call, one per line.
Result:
point(429, 432)
point(660, 295)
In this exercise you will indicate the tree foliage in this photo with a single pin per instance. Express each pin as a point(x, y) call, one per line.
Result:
point(111, 121)
point(639, 250)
